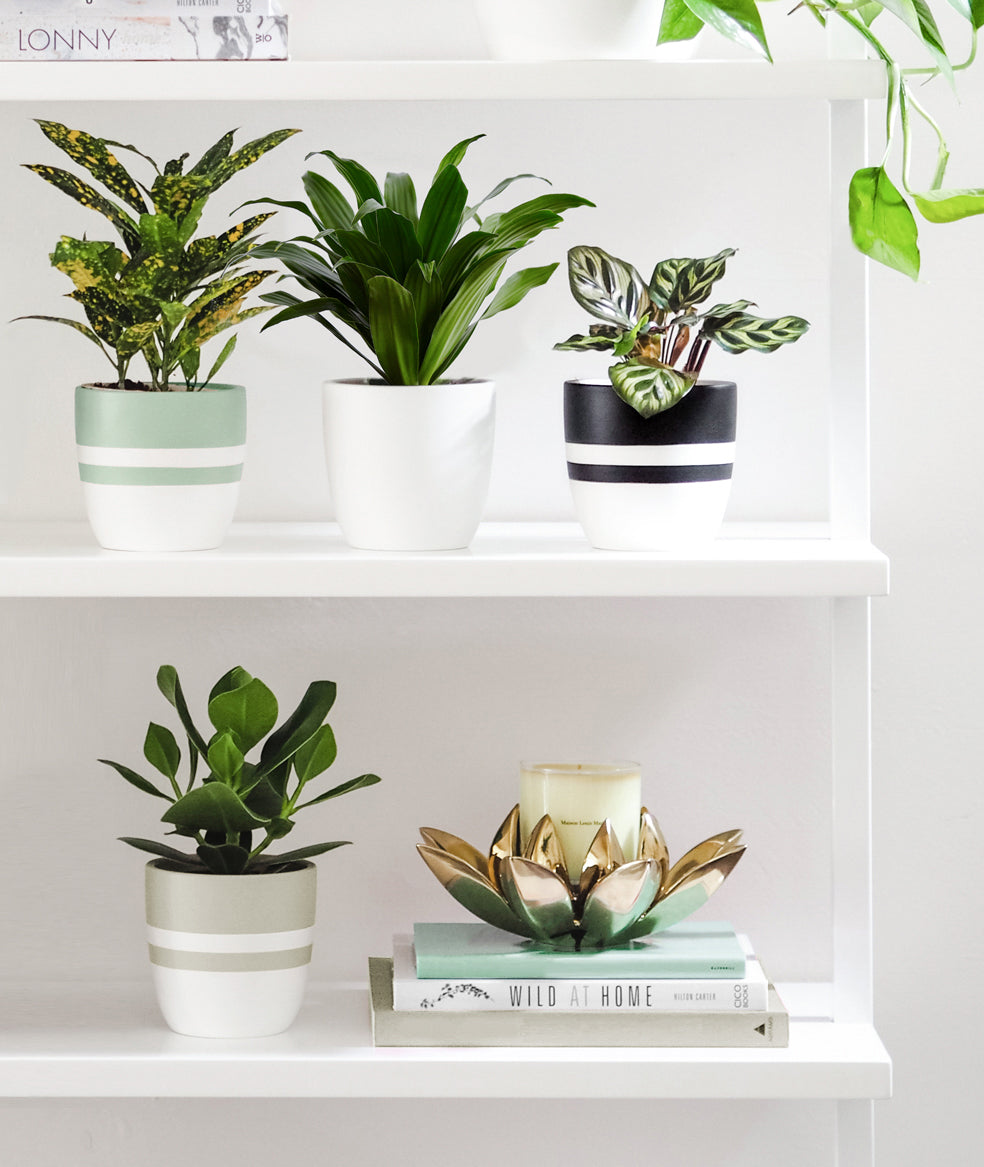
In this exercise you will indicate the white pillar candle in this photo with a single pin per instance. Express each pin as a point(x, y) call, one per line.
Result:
point(579, 796)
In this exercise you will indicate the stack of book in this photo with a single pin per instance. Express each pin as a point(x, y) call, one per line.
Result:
point(697, 984)
point(142, 30)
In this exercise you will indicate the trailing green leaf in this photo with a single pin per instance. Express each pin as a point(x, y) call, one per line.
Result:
point(882, 225)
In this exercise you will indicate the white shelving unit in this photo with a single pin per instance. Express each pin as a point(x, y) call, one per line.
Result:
point(102, 1044)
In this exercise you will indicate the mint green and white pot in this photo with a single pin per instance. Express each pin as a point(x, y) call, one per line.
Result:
point(160, 471)
point(230, 953)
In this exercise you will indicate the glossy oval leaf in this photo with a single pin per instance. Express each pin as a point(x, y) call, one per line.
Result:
point(248, 712)
point(882, 226)
point(738, 20)
point(677, 23)
point(606, 287)
point(440, 215)
point(212, 807)
point(299, 727)
point(225, 758)
point(649, 389)
point(170, 685)
point(316, 755)
point(162, 750)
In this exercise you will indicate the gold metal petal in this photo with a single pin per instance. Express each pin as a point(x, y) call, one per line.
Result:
point(537, 897)
point(444, 841)
point(617, 901)
point(652, 845)
point(604, 855)
point(687, 897)
point(506, 842)
point(472, 890)
point(544, 847)
point(697, 856)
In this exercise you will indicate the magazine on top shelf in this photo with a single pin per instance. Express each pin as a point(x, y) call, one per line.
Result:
point(142, 30)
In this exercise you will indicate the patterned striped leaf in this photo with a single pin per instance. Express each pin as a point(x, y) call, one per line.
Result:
point(609, 288)
point(678, 284)
point(649, 389)
point(92, 154)
point(578, 343)
point(740, 332)
point(89, 197)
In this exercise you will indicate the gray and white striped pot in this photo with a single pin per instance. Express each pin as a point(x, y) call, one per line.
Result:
point(160, 471)
point(230, 953)
point(649, 484)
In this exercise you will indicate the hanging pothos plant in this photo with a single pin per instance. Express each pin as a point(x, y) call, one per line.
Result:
point(882, 222)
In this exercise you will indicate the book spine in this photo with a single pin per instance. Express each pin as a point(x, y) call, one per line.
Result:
point(572, 996)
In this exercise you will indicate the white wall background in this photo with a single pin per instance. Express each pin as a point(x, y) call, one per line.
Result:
point(443, 698)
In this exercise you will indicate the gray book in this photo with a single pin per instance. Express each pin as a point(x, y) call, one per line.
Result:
point(524, 1028)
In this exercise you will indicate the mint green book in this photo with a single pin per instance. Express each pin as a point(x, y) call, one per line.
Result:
point(691, 949)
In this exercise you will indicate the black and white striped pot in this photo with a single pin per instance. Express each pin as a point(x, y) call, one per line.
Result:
point(230, 953)
point(649, 484)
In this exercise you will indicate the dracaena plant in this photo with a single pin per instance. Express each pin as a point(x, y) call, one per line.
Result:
point(159, 290)
point(656, 329)
point(246, 781)
point(881, 219)
point(410, 280)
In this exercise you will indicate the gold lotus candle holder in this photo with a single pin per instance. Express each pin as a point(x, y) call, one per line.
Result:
point(529, 891)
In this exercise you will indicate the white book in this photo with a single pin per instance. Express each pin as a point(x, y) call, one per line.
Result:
point(412, 994)
point(142, 30)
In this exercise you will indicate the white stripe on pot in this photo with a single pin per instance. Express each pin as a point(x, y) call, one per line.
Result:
point(138, 456)
point(693, 454)
point(228, 941)
point(219, 962)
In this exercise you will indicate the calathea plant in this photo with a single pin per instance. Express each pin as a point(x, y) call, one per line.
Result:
point(240, 806)
point(411, 282)
point(881, 219)
point(656, 329)
point(159, 291)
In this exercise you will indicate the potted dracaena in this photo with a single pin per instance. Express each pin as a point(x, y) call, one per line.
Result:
point(230, 925)
point(883, 200)
point(404, 283)
point(160, 459)
point(650, 450)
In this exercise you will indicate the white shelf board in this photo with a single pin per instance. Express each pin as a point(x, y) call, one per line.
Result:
point(506, 559)
point(171, 81)
point(108, 1041)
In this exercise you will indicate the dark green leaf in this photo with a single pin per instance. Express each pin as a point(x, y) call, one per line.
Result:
point(400, 196)
point(331, 208)
point(214, 155)
point(260, 795)
point(223, 858)
point(315, 756)
point(456, 318)
point(882, 226)
point(170, 686)
point(212, 807)
point(455, 156)
point(363, 185)
point(248, 712)
point(344, 788)
point(307, 852)
point(606, 287)
point(738, 20)
point(300, 727)
point(461, 256)
point(425, 286)
point(135, 780)
point(649, 389)
point(440, 216)
point(162, 850)
point(516, 287)
point(520, 224)
point(162, 750)
point(395, 236)
point(393, 325)
point(225, 758)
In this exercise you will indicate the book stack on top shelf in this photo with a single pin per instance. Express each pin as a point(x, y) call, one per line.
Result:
point(696, 984)
point(143, 30)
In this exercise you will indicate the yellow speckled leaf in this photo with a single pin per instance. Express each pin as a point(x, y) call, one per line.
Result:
point(89, 197)
point(95, 156)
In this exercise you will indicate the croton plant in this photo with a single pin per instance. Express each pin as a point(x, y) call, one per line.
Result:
point(159, 291)
point(656, 329)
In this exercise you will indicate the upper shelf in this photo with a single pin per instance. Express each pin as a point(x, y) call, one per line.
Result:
point(506, 559)
point(434, 80)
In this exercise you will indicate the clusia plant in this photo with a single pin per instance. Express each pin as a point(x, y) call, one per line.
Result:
point(656, 329)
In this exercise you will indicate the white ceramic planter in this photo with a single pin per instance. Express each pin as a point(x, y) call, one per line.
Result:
point(160, 471)
point(409, 465)
point(230, 953)
point(649, 484)
point(547, 30)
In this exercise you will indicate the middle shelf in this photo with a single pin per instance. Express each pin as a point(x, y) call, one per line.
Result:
point(506, 559)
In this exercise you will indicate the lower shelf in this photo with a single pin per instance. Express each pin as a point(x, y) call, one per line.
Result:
point(64, 1041)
